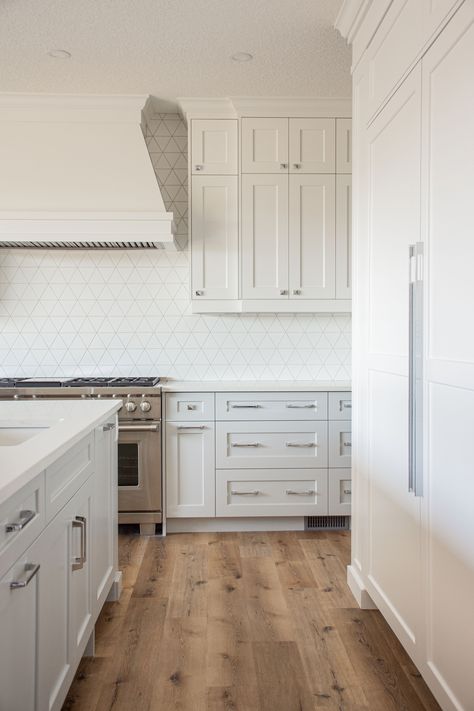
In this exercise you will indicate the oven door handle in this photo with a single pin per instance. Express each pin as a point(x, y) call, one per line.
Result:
point(139, 428)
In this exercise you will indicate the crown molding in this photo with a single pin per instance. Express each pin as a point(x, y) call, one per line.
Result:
point(78, 108)
point(201, 107)
point(238, 106)
point(350, 17)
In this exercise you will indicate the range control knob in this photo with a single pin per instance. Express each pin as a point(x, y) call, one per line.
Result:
point(130, 406)
point(145, 406)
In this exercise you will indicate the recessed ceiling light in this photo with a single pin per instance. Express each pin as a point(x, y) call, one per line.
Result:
point(242, 57)
point(59, 54)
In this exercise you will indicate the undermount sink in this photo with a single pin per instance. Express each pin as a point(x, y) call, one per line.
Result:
point(11, 436)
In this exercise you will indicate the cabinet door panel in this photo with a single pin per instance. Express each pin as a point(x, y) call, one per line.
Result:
point(265, 236)
point(343, 145)
point(80, 608)
point(312, 145)
point(214, 147)
point(190, 469)
point(105, 515)
point(264, 145)
point(343, 236)
point(215, 238)
point(312, 237)
point(339, 492)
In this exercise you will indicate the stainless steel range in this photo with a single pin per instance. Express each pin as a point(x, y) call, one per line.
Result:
point(139, 435)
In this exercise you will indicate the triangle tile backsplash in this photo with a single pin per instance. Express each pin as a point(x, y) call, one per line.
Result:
point(67, 313)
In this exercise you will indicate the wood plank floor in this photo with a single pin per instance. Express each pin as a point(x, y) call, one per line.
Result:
point(243, 622)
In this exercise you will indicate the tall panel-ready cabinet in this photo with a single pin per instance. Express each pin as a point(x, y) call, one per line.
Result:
point(413, 529)
point(270, 221)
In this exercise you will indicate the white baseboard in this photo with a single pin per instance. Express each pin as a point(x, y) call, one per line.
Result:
point(217, 525)
point(116, 588)
point(357, 587)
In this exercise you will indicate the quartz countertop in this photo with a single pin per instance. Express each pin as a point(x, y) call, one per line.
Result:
point(55, 426)
point(202, 386)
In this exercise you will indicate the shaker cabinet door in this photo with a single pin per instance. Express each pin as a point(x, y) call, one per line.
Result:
point(214, 147)
point(312, 145)
point(264, 145)
point(190, 469)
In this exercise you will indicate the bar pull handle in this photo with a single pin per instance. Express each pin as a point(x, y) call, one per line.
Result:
point(292, 492)
point(245, 444)
point(305, 406)
point(25, 517)
point(29, 573)
point(254, 492)
point(78, 561)
point(415, 366)
point(252, 406)
point(300, 444)
point(191, 427)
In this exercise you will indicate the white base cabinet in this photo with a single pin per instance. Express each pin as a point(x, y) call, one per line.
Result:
point(51, 596)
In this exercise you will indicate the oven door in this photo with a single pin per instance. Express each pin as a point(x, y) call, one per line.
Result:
point(139, 467)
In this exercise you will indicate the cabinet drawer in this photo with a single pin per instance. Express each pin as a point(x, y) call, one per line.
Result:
point(271, 444)
point(340, 406)
point(21, 521)
point(189, 407)
point(68, 474)
point(263, 492)
point(340, 444)
point(271, 406)
point(340, 492)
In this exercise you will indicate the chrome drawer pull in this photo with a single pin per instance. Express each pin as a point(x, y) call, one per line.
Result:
point(255, 492)
point(191, 427)
point(29, 573)
point(347, 444)
point(245, 444)
point(25, 518)
point(253, 406)
point(346, 406)
point(108, 427)
point(300, 444)
point(78, 561)
point(291, 492)
point(300, 407)
point(347, 491)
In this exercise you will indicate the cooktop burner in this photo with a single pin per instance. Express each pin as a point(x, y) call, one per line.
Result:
point(86, 382)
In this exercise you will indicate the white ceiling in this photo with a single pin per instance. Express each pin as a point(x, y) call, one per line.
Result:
point(172, 48)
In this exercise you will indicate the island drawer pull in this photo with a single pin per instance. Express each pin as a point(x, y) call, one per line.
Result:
point(254, 492)
point(347, 444)
point(29, 573)
point(108, 427)
point(300, 444)
point(292, 492)
point(254, 405)
point(245, 444)
point(347, 491)
point(308, 406)
point(78, 561)
point(25, 518)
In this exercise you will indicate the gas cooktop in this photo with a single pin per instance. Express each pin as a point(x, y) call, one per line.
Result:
point(87, 382)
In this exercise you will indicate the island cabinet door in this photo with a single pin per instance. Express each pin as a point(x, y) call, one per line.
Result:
point(190, 469)
point(18, 621)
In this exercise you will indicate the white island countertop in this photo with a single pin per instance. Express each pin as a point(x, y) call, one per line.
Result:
point(33, 434)
point(202, 386)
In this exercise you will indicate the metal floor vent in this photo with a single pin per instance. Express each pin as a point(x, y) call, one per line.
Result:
point(326, 523)
point(83, 244)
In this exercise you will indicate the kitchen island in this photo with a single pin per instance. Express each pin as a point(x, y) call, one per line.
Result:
point(58, 542)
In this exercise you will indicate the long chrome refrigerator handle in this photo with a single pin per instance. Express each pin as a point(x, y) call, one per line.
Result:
point(415, 371)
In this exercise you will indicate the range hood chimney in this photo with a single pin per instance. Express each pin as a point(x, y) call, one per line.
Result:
point(75, 172)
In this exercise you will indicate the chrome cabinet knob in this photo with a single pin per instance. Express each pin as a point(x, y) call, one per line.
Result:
point(130, 406)
point(284, 165)
point(145, 406)
point(198, 167)
point(283, 292)
point(297, 292)
point(199, 292)
point(297, 165)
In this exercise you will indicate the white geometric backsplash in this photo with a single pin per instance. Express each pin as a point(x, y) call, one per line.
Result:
point(68, 313)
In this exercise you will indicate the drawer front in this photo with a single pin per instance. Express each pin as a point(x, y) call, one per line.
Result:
point(340, 492)
point(189, 407)
point(68, 474)
point(263, 492)
point(340, 406)
point(271, 406)
point(340, 444)
point(282, 445)
point(21, 521)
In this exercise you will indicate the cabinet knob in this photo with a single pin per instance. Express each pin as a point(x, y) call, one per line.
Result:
point(199, 292)
point(284, 165)
point(283, 292)
point(297, 165)
point(198, 167)
point(297, 292)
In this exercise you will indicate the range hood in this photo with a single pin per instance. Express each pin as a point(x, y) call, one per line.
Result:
point(75, 172)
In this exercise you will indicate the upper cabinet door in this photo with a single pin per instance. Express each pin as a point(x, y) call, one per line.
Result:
point(344, 145)
point(215, 238)
point(312, 145)
point(265, 236)
point(343, 236)
point(214, 147)
point(312, 237)
point(264, 145)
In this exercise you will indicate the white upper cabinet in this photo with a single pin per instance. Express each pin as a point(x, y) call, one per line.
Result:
point(265, 145)
point(215, 237)
point(344, 145)
point(343, 236)
point(312, 237)
point(312, 145)
point(265, 236)
point(214, 147)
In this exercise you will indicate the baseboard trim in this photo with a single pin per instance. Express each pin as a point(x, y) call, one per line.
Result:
point(221, 525)
point(357, 587)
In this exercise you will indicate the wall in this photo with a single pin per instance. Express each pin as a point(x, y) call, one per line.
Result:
point(117, 312)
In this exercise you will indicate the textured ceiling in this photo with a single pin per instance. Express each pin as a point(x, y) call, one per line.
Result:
point(172, 48)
